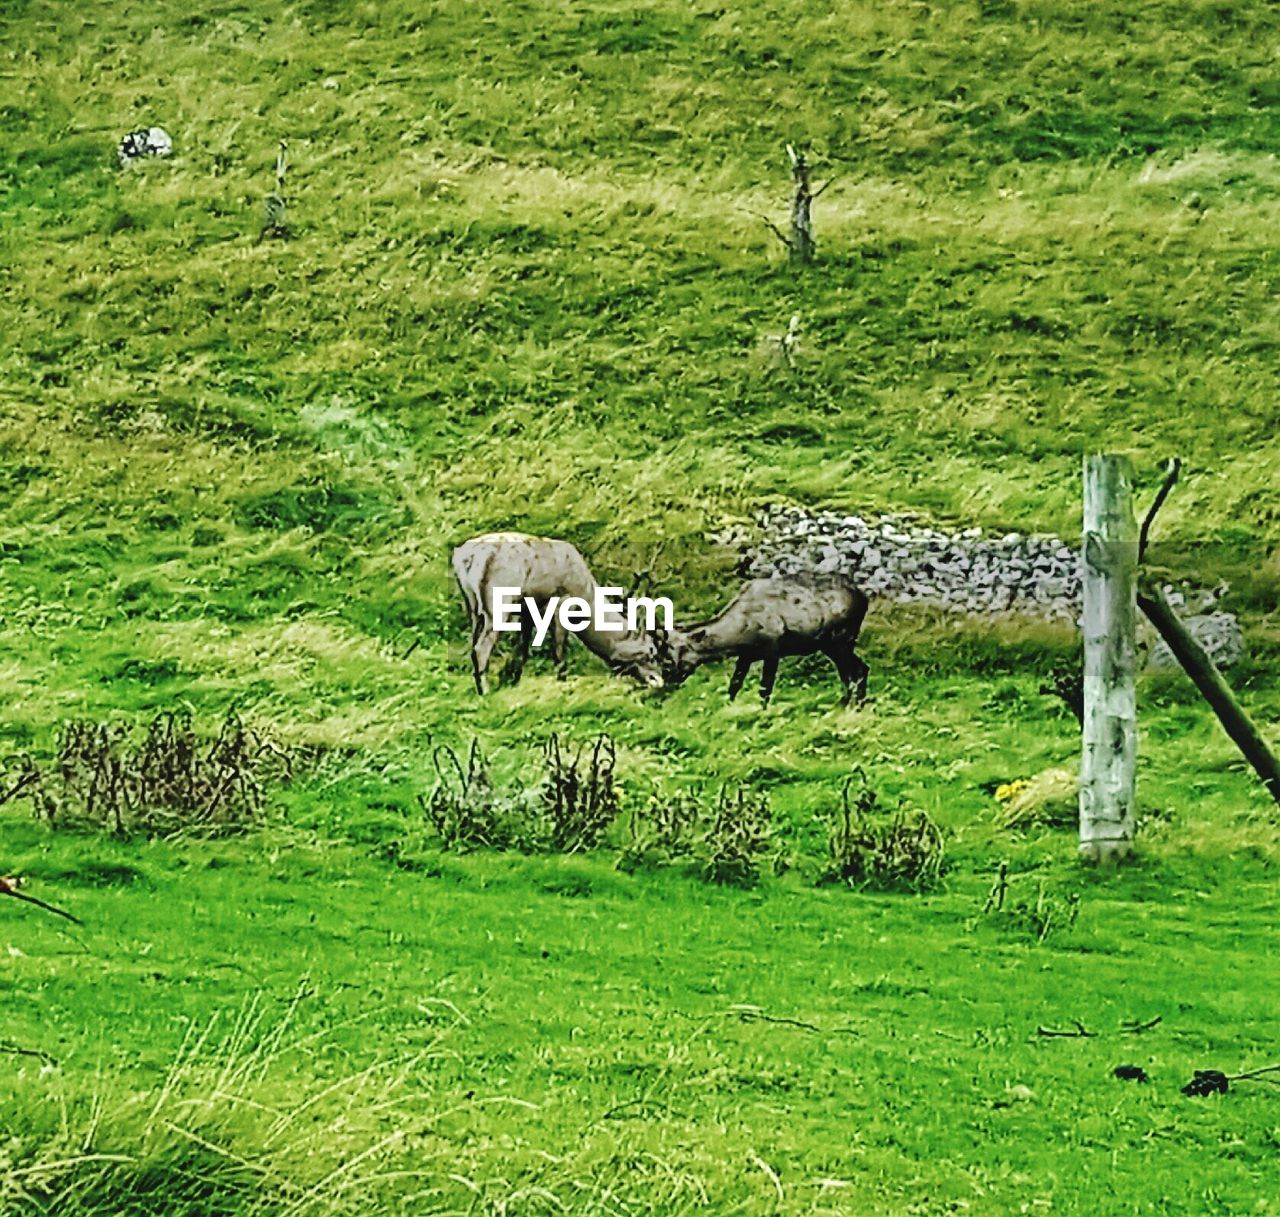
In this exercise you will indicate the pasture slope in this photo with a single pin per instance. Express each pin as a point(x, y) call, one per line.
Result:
point(527, 286)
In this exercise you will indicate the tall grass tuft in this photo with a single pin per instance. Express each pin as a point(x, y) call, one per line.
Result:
point(234, 1127)
point(901, 850)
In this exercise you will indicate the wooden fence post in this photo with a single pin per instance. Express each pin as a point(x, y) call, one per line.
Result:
point(802, 244)
point(1110, 735)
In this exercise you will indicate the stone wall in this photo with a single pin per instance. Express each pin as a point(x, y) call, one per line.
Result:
point(1016, 574)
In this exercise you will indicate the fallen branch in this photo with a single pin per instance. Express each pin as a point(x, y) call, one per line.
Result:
point(9, 887)
point(755, 1014)
point(748, 1013)
point(1198, 665)
point(1132, 1027)
point(1171, 471)
point(1128, 1027)
point(1080, 1032)
point(18, 1050)
point(1253, 1073)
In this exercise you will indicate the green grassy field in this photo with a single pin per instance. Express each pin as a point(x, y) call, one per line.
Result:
point(527, 286)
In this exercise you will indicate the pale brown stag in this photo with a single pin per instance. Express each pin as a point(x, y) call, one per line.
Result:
point(772, 618)
point(541, 568)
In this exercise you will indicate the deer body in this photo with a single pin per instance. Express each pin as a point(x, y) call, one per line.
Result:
point(772, 618)
point(542, 569)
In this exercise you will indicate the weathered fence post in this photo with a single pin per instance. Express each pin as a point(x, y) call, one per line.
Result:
point(1110, 737)
point(802, 244)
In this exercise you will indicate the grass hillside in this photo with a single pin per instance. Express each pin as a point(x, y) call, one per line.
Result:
point(527, 284)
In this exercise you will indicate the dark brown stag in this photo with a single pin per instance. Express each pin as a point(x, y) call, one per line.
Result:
point(772, 618)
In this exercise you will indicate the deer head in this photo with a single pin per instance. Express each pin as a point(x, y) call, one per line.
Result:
point(641, 663)
point(673, 655)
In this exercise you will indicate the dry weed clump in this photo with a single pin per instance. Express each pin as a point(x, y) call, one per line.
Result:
point(466, 810)
point(568, 810)
point(172, 780)
point(580, 798)
point(737, 838)
point(899, 851)
point(728, 838)
point(660, 831)
point(1036, 916)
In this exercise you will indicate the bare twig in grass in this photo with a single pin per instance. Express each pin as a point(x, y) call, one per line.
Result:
point(999, 889)
point(1038, 916)
point(9, 887)
point(18, 1050)
point(1080, 1032)
point(747, 1013)
point(642, 1104)
point(800, 244)
point(1253, 1073)
point(701, 1024)
point(1128, 1027)
point(777, 232)
point(753, 1014)
point(1133, 1027)
point(275, 210)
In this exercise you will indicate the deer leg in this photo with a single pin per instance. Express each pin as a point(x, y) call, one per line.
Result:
point(739, 675)
point(768, 674)
point(860, 672)
point(522, 648)
point(483, 641)
point(851, 669)
point(559, 647)
point(840, 657)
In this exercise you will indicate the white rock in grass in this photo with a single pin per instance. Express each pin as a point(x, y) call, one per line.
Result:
point(146, 141)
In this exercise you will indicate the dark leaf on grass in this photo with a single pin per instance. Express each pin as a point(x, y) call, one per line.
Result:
point(1206, 1081)
point(1131, 1073)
